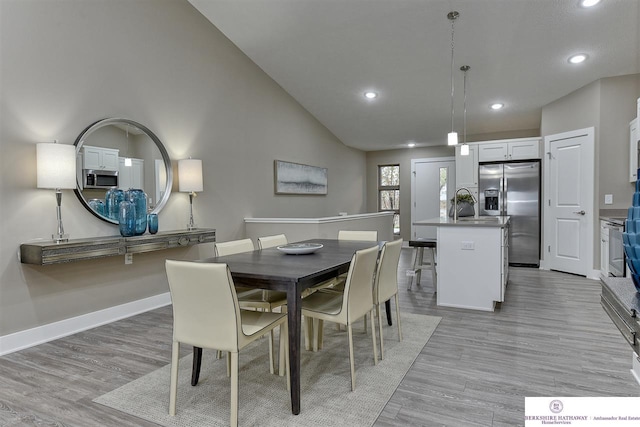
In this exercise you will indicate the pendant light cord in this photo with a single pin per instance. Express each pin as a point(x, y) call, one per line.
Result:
point(465, 68)
point(452, 16)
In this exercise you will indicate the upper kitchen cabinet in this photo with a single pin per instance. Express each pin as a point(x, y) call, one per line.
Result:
point(467, 167)
point(521, 149)
point(99, 158)
point(634, 135)
point(131, 176)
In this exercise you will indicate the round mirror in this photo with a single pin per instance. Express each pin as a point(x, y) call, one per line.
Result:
point(124, 154)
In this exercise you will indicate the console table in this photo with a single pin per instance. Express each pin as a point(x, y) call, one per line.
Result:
point(49, 252)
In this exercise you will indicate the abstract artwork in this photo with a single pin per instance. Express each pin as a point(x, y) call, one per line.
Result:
point(294, 178)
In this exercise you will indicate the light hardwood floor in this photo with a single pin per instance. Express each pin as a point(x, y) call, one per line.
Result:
point(550, 338)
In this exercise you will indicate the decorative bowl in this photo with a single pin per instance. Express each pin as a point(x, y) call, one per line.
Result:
point(300, 248)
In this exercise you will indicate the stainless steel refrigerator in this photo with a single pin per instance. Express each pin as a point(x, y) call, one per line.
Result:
point(513, 189)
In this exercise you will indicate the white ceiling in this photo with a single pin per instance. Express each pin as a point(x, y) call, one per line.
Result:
point(327, 53)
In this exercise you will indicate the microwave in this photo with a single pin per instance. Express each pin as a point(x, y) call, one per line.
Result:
point(99, 179)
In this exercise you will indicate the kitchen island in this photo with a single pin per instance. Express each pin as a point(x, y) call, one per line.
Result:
point(472, 260)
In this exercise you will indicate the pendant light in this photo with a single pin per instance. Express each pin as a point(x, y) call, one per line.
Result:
point(464, 148)
point(452, 137)
point(127, 159)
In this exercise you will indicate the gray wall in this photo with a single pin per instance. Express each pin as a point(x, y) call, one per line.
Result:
point(403, 157)
point(608, 105)
point(68, 63)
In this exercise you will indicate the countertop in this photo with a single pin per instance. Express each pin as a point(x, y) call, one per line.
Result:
point(467, 221)
point(613, 215)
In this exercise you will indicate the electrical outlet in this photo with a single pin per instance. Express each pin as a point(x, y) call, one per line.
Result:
point(468, 245)
point(608, 199)
point(128, 258)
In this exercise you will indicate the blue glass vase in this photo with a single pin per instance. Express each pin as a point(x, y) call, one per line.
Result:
point(97, 206)
point(112, 200)
point(139, 199)
point(152, 222)
point(127, 218)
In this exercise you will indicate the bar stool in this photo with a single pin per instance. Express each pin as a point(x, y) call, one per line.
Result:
point(421, 244)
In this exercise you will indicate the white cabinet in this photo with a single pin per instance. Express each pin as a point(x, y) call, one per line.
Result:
point(505, 260)
point(472, 266)
point(99, 158)
point(492, 152)
point(509, 150)
point(467, 167)
point(604, 249)
point(634, 135)
point(131, 176)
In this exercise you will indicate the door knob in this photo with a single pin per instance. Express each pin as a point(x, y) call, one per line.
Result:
point(580, 212)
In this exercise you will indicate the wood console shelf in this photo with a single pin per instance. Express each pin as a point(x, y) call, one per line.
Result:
point(49, 252)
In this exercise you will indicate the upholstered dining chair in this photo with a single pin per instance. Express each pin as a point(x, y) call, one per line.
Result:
point(337, 283)
point(258, 299)
point(385, 285)
point(206, 314)
point(233, 247)
point(362, 235)
point(345, 308)
point(266, 242)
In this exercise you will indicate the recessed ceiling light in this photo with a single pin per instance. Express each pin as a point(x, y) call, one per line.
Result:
point(411, 144)
point(497, 106)
point(588, 3)
point(577, 59)
point(371, 95)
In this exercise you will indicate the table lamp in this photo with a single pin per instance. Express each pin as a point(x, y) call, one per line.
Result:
point(56, 169)
point(190, 181)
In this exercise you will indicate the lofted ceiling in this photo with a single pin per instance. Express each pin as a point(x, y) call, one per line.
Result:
point(327, 53)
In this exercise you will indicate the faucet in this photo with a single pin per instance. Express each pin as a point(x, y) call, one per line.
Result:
point(455, 202)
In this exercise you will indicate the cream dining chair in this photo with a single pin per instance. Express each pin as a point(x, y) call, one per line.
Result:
point(345, 308)
point(206, 314)
point(337, 283)
point(253, 298)
point(362, 235)
point(385, 285)
point(266, 242)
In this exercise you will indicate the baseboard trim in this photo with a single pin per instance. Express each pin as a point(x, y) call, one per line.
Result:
point(52, 331)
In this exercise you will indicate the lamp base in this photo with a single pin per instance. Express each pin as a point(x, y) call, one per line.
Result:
point(59, 238)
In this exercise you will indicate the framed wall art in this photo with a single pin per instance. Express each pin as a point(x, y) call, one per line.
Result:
point(295, 178)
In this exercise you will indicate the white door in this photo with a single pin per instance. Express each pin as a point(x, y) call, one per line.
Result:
point(432, 186)
point(569, 202)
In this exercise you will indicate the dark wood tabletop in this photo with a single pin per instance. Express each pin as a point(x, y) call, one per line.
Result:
point(273, 269)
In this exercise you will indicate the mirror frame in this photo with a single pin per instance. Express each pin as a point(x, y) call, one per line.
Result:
point(163, 151)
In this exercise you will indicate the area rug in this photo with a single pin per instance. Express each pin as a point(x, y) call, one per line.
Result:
point(326, 393)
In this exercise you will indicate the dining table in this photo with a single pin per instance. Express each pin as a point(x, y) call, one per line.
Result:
point(275, 270)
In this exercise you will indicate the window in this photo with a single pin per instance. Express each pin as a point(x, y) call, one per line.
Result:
point(389, 192)
point(443, 192)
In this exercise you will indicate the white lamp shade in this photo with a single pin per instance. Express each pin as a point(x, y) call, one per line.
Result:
point(464, 150)
point(190, 175)
point(56, 165)
point(452, 138)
